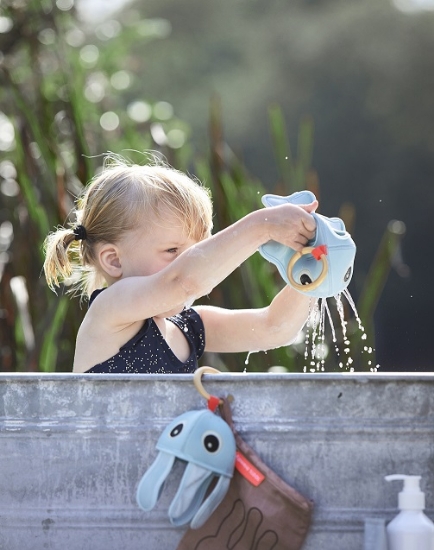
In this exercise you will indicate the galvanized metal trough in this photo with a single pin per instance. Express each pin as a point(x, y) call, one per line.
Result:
point(74, 447)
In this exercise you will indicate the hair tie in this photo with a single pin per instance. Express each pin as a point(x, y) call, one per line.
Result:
point(80, 233)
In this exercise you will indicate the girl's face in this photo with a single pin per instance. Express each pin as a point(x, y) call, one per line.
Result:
point(151, 247)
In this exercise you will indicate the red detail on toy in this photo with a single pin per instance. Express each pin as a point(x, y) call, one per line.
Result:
point(319, 251)
point(213, 403)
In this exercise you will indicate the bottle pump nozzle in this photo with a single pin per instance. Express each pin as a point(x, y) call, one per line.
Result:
point(411, 497)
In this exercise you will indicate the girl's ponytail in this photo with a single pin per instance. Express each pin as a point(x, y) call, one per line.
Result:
point(62, 254)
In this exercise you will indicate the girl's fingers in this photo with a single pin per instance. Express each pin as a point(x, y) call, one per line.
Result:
point(310, 208)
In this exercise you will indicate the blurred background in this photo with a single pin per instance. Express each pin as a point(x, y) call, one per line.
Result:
point(251, 96)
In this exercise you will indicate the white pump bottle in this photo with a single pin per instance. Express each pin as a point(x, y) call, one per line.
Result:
point(411, 529)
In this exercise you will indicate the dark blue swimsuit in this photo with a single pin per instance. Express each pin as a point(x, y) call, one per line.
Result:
point(148, 352)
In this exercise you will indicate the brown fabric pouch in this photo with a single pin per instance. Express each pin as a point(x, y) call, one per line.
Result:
point(259, 512)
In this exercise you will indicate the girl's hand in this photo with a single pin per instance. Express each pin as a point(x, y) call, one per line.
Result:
point(290, 224)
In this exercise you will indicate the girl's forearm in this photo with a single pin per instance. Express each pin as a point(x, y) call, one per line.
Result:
point(203, 266)
point(260, 329)
point(286, 316)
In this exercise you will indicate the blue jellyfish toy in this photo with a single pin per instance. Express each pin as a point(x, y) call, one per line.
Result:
point(206, 443)
point(325, 266)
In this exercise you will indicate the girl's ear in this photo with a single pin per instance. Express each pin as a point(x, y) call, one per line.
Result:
point(109, 260)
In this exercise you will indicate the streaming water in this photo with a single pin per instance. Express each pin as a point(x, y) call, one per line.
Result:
point(316, 348)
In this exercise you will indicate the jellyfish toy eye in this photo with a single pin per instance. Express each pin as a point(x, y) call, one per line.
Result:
point(347, 274)
point(305, 279)
point(176, 430)
point(211, 442)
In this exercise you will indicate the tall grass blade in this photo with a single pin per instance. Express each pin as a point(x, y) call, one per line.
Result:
point(49, 350)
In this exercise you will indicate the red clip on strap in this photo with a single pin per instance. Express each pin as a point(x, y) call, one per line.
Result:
point(319, 251)
point(213, 403)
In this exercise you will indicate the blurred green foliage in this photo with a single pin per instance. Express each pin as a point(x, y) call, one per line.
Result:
point(66, 98)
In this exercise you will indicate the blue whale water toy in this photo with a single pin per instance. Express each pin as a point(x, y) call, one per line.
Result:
point(325, 266)
point(206, 442)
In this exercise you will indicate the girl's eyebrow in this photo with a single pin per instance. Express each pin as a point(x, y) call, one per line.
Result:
point(172, 243)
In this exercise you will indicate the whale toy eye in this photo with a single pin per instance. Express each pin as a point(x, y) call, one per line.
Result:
point(348, 274)
point(305, 279)
point(211, 442)
point(176, 430)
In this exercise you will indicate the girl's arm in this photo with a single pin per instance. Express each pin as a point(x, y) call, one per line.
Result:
point(196, 271)
point(256, 329)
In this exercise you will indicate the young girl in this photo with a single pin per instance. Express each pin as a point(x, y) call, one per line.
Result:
point(143, 250)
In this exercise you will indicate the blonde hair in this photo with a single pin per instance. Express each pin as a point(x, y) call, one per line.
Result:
point(114, 202)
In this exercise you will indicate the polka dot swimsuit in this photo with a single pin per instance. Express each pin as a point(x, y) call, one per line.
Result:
point(148, 352)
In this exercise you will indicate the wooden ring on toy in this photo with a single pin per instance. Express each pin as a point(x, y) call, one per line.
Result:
point(314, 284)
point(197, 380)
